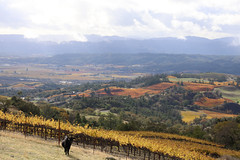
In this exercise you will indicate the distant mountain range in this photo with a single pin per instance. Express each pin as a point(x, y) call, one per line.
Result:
point(17, 45)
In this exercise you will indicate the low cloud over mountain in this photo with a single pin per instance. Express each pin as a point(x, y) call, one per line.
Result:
point(17, 45)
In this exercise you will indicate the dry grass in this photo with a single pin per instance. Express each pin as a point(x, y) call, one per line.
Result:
point(188, 116)
point(4, 97)
point(218, 115)
point(16, 146)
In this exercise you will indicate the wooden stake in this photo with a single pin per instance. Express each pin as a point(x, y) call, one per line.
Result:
point(59, 132)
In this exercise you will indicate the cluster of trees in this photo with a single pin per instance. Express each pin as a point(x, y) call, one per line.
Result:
point(224, 131)
point(150, 80)
point(210, 76)
point(20, 104)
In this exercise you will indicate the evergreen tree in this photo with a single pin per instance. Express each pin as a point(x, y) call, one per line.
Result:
point(78, 119)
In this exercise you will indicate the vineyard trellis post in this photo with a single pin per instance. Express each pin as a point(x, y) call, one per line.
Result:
point(5, 123)
point(59, 132)
point(45, 133)
point(149, 154)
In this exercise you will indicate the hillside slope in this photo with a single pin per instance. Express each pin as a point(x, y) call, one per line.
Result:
point(16, 146)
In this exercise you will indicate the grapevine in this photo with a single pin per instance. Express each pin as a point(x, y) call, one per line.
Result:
point(160, 143)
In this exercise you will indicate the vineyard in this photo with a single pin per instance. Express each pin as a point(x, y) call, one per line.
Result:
point(209, 102)
point(198, 86)
point(133, 92)
point(141, 145)
point(189, 116)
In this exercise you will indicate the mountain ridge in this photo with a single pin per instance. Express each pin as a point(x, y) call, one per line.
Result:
point(18, 45)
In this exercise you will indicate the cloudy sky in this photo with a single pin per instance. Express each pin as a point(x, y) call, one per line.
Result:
point(72, 19)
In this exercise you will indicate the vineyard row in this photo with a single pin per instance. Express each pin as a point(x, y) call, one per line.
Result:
point(47, 132)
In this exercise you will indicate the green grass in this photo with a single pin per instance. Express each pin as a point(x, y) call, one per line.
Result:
point(88, 117)
point(232, 93)
point(187, 80)
point(4, 97)
point(103, 112)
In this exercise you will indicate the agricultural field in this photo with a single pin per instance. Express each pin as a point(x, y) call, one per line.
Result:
point(3, 97)
point(26, 85)
point(188, 83)
point(198, 86)
point(217, 114)
point(65, 72)
point(230, 92)
point(209, 102)
point(137, 92)
point(189, 116)
point(161, 86)
point(133, 92)
point(175, 79)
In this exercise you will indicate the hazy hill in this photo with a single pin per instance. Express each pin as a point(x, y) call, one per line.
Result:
point(150, 63)
point(18, 45)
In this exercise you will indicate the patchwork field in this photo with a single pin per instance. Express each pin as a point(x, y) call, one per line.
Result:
point(198, 86)
point(27, 85)
point(158, 88)
point(67, 72)
point(228, 83)
point(209, 102)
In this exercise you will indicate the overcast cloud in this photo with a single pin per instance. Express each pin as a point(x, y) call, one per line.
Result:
point(72, 19)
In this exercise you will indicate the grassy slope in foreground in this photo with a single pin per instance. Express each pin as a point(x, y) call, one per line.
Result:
point(16, 146)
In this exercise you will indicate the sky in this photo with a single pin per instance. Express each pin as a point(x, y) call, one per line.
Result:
point(63, 20)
